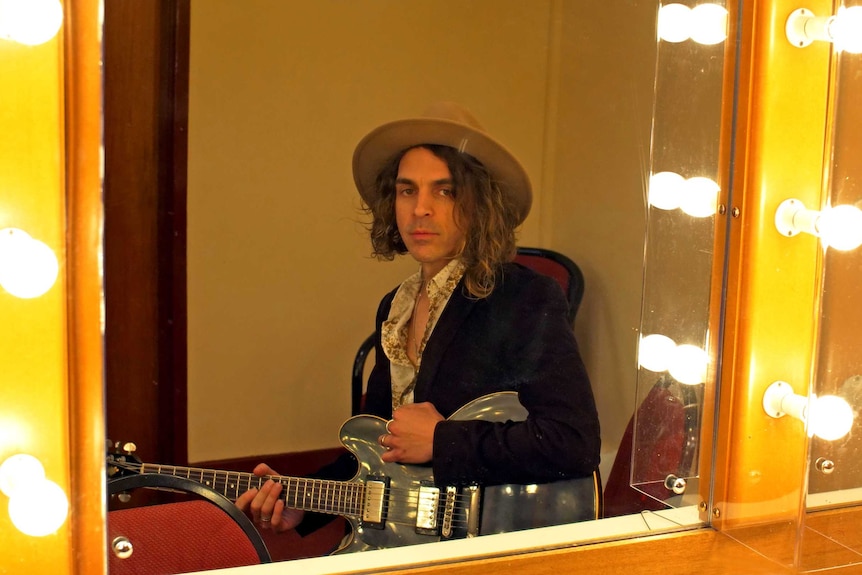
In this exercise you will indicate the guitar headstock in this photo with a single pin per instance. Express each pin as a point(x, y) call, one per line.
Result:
point(120, 459)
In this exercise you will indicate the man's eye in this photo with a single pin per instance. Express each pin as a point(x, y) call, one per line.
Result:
point(446, 192)
point(405, 191)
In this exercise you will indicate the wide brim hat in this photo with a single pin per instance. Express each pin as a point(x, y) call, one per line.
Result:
point(446, 124)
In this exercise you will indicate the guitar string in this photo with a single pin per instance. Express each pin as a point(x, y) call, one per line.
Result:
point(392, 494)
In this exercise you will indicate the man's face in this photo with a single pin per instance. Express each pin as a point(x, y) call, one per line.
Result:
point(425, 210)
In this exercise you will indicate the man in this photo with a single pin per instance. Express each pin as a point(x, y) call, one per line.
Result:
point(467, 324)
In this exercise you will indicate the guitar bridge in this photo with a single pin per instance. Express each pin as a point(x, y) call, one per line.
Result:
point(374, 507)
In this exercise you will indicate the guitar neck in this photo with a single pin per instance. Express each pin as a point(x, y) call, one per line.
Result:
point(320, 495)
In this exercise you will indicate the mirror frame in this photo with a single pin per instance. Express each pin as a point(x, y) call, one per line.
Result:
point(708, 549)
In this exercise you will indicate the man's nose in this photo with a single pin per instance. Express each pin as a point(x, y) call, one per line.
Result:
point(423, 203)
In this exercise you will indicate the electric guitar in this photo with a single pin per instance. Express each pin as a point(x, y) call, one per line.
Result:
point(393, 504)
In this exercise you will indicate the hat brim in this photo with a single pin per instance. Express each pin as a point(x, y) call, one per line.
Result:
point(384, 143)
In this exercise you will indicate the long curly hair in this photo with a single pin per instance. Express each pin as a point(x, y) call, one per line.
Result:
point(481, 209)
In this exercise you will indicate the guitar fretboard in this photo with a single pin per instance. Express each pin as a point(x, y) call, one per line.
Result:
point(320, 495)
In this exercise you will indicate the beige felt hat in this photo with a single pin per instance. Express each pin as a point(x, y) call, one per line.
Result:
point(447, 124)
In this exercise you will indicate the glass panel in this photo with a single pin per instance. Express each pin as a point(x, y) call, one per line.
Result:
point(685, 173)
point(831, 535)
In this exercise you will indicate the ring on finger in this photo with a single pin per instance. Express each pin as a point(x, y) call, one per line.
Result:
point(388, 423)
point(265, 519)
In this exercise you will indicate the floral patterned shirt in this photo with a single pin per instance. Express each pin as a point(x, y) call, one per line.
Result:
point(394, 330)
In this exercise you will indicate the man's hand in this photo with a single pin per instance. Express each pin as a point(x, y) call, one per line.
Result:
point(266, 506)
point(410, 437)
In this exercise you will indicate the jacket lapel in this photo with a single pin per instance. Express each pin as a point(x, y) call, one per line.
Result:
point(454, 314)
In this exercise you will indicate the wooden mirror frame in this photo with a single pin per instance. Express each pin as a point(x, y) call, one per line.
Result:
point(755, 325)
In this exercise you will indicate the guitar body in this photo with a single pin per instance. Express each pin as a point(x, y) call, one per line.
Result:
point(504, 508)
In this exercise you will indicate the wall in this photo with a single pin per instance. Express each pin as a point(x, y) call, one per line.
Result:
point(279, 95)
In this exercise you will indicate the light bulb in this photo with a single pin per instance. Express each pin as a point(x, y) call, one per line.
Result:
point(39, 508)
point(30, 22)
point(708, 24)
point(28, 267)
point(846, 29)
point(830, 417)
point(673, 22)
point(840, 227)
point(705, 23)
point(19, 471)
point(688, 364)
point(665, 190)
point(655, 351)
point(700, 197)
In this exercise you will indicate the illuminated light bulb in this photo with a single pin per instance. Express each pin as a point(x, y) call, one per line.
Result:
point(665, 190)
point(28, 267)
point(830, 417)
point(846, 29)
point(705, 23)
point(655, 352)
point(19, 471)
point(699, 197)
point(839, 227)
point(30, 22)
point(39, 509)
point(674, 21)
point(688, 364)
point(708, 24)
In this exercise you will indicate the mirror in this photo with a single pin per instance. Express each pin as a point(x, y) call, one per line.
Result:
point(835, 475)
point(279, 95)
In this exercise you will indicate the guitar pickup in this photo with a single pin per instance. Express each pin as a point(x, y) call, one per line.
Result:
point(427, 510)
point(375, 506)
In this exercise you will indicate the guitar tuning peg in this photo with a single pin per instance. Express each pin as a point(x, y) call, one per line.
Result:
point(129, 447)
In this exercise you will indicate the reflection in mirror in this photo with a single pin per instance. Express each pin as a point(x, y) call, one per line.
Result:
point(281, 290)
point(675, 367)
point(835, 472)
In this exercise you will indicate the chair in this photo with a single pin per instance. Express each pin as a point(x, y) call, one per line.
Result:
point(204, 532)
point(561, 268)
point(666, 425)
point(544, 261)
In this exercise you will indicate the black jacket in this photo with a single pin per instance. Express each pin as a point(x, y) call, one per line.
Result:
point(516, 339)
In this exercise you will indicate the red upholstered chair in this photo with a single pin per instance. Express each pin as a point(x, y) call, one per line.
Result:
point(548, 262)
point(206, 531)
point(561, 268)
point(666, 427)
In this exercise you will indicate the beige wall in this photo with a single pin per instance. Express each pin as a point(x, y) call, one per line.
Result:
point(281, 289)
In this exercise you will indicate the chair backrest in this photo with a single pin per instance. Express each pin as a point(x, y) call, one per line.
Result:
point(202, 533)
point(666, 428)
point(559, 267)
point(548, 262)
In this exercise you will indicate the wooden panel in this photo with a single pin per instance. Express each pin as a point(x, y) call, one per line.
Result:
point(704, 552)
point(145, 226)
point(771, 280)
point(83, 80)
point(34, 362)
